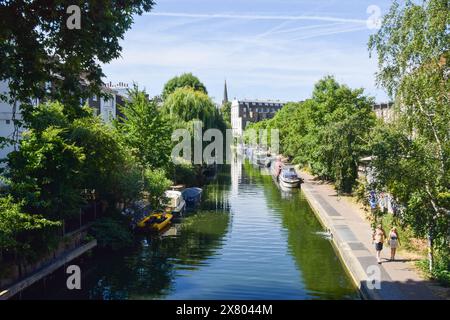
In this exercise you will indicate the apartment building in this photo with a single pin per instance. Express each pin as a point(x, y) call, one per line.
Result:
point(244, 112)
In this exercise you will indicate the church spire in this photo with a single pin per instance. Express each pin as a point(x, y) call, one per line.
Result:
point(225, 93)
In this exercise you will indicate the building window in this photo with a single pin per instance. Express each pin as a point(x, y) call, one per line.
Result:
point(8, 121)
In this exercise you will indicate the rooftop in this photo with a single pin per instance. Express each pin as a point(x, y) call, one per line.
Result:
point(260, 100)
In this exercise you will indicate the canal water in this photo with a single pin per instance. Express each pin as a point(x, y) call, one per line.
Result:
point(249, 240)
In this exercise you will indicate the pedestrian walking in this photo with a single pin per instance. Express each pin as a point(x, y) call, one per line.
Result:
point(394, 242)
point(378, 238)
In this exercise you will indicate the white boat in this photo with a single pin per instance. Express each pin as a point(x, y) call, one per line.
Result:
point(288, 177)
point(175, 202)
point(260, 157)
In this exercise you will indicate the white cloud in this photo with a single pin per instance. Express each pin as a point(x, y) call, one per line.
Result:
point(254, 17)
point(267, 60)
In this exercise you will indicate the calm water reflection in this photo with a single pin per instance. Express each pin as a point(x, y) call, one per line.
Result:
point(250, 240)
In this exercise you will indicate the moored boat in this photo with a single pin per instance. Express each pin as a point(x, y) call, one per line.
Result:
point(192, 196)
point(175, 203)
point(288, 177)
point(260, 157)
point(155, 222)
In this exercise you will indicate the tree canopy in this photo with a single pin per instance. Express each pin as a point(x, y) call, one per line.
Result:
point(226, 112)
point(26, 235)
point(412, 155)
point(183, 81)
point(146, 130)
point(37, 47)
point(187, 104)
point(328, 132)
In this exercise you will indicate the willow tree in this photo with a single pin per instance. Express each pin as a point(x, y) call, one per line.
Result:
point(186, 80)
point(413, 155)
point(187, 104)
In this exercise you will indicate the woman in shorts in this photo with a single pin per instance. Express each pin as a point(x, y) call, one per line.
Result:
point(394, 241)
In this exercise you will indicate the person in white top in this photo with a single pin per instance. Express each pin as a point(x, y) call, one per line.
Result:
point(394, 241)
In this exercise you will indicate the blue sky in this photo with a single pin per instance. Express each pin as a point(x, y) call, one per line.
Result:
point(265, 49)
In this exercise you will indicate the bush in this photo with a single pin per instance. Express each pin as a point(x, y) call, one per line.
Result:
point(185, 173)
point(441, 267)
point(112, 233)
point(155, 183)
point(24, 234)
point(360, 192)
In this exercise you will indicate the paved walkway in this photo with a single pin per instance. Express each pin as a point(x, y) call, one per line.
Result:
point(352, 237)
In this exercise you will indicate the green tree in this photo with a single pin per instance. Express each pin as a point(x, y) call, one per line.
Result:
point(225, 110)
point(183, 81)
point(45, 171)
point(109, 167)
point(155, 184)
point(327, 133)
point(146, 130)
point(291, 122)
point(24, 235)
point(187, 104)
point(58, 158)
point(413, 54)
point(37, 47)
point(340, 120)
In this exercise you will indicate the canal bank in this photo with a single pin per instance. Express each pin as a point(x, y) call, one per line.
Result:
point(74, 246)
point(398, 280)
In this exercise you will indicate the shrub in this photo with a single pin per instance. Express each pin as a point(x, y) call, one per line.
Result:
point(112, 233)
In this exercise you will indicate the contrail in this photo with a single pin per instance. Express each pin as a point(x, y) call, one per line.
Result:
point(328, 33)
point(253, 17)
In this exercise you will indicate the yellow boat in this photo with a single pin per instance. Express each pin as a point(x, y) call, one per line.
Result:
point(155, 221)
